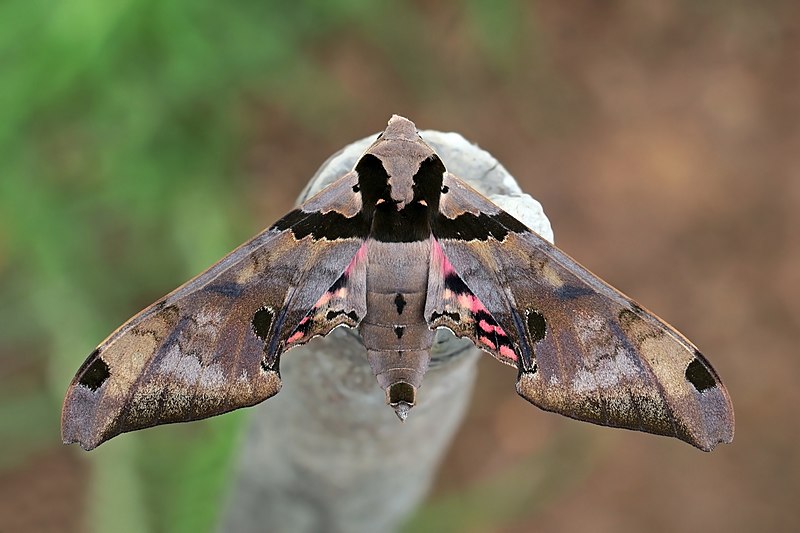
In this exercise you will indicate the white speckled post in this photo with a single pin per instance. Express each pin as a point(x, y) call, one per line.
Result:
point(327, 454)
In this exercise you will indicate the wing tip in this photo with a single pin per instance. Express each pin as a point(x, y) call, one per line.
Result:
point(718, 428)
point(74, 429)
point(79, 417)
point(708, 445)
point(85, 418)
point(720, 433)
point(87, 446)
point(719, 422)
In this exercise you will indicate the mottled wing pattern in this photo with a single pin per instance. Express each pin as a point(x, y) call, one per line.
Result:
point(212, 345)
point(343, 304)
point(451, 304)
point(584, 349)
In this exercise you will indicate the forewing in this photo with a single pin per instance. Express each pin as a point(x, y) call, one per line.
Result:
point(584, 349)
point(212, 345)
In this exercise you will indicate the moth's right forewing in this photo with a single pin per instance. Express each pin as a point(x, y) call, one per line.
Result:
point(583, 349)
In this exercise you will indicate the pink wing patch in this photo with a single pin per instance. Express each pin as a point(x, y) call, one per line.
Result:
point(341, 304)
point(453, 305)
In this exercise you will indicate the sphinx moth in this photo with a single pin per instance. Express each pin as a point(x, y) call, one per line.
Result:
point(397, 248)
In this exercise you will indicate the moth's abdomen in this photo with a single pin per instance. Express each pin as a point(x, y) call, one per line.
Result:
point(395, 333)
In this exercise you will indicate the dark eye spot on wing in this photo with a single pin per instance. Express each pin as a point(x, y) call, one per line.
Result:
point(537, 326)
point(400, 302)
point(262, 321)
point(698, 375)
point(445, 189)
point(95, 374)
point(88, 361)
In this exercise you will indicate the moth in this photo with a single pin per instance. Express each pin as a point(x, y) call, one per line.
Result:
point(397, 248)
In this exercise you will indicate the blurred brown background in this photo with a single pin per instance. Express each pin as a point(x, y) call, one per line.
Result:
point(662, 138)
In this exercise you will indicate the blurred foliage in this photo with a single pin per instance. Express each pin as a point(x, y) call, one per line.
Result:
point(120, 130)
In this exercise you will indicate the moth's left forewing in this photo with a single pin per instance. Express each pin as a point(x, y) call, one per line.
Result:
point(584, 349)
point(213, 344)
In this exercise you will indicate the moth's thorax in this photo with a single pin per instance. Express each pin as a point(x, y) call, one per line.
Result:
point(395, 333)
point(401, 158)
point(400, 184)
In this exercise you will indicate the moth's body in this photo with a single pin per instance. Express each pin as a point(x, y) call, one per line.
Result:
point(395, 334)
point(397, 248)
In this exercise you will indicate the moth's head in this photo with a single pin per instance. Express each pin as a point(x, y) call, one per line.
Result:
point(400, 129)
point(400, 170)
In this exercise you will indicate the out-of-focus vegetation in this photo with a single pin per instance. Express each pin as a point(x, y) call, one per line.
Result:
point(140, 140)
point(121, 130)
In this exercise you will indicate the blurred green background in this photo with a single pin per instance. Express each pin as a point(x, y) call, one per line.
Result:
point(142, 140)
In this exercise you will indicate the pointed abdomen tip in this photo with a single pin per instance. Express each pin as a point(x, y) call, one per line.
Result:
point(401, 410)
point(401, 396)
